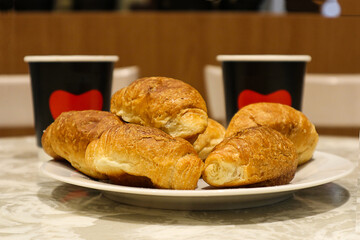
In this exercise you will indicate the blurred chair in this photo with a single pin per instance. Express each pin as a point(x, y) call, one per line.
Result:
point(123, 76)
point(332, 100)
point(15, 101)
point(16, 105)
point(214, 89)
point(329, 100)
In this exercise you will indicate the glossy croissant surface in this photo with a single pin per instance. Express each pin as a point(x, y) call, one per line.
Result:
point(285, 119)
point(165, 103)
point(258, 156)
point(70, 134)
point(207, 140)
point(144, 156)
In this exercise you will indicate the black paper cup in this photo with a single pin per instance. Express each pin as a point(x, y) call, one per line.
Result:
point(262, 78)
point(66, 83)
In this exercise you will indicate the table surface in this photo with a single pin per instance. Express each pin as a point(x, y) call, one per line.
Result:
point(33, 206)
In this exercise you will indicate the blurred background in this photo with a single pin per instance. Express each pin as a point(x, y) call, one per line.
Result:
point(178, 38)
point(119, 5)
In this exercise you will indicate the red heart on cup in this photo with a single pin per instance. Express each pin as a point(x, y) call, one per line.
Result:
point(63, 101)
point(247, 97)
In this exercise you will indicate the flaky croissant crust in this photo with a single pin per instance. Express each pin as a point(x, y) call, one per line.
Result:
point(258, 155)
point(285, 119)
point(165, 103)
point(70, 134)
point(147, 153)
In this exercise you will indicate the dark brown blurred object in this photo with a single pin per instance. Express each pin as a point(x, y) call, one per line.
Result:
point(6, 5)
point(302, 6)
point(233, 5)
point(183, 4)
point(33, 5)
point(240, 5)
point(94, 5)
point(319, 2)
point(174, 5)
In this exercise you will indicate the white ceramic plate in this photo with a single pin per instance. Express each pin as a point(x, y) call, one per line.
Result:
point(323, 168)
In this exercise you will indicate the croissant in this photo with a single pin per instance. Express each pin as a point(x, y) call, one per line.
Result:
point(258, 156)
point(71, 132)
point(138, 155)
point(285, 119)
point(207, 140)
point(165, 103)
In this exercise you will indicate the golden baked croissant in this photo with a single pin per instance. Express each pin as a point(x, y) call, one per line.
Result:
point(145, 155)
point(207, 140)
point(258, 156)
point(285, 119)
point(71, 132)
point(165, 103)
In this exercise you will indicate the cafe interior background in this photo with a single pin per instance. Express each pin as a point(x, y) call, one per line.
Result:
point(181, 39)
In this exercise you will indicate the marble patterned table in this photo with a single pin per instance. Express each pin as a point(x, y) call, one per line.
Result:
point(33, 206)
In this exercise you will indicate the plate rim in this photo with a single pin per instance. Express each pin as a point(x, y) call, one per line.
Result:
point(85, 181)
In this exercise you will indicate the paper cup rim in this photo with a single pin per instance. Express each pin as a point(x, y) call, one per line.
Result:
point(267, 58)
point(71, 58)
